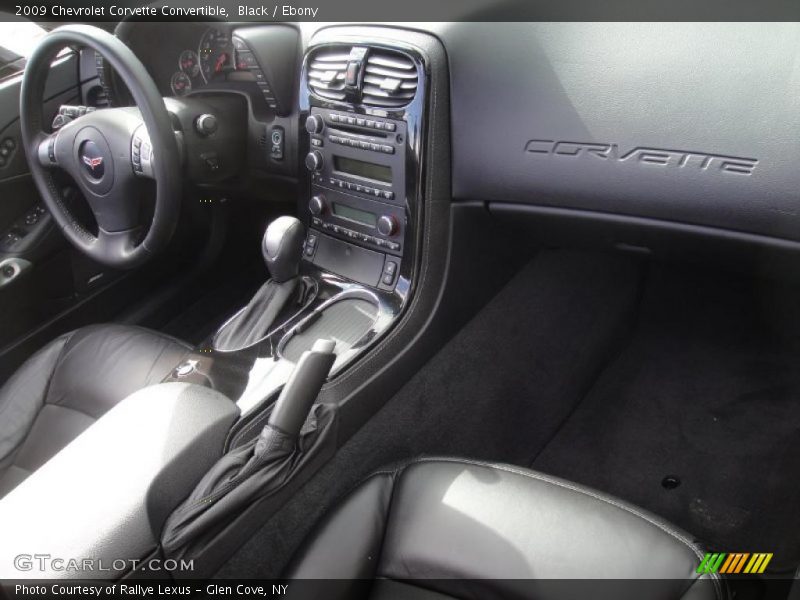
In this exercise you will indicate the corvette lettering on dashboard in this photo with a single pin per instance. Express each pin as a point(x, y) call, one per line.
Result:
point(686, 159)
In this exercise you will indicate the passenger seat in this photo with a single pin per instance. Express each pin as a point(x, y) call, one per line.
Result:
point(422, 529)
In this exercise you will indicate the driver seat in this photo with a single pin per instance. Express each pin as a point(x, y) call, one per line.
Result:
point(69, 384)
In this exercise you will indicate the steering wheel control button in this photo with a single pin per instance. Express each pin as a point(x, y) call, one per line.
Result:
point(141, 153)
point(206, 125)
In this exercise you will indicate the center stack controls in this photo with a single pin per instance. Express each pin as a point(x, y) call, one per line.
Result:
point(357, 166)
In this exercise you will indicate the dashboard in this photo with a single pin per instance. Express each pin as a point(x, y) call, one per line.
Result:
point(557, 116)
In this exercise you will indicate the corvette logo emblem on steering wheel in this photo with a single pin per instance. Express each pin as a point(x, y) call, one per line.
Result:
point(92, 163)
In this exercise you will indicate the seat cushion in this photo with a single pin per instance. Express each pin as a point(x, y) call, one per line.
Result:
point(69, 384)
point(442, 521)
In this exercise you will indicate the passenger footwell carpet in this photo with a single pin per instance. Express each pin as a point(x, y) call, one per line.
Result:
point(708, 393)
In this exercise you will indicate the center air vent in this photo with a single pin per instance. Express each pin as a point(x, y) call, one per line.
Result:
point(326, 72)
point(390, 79)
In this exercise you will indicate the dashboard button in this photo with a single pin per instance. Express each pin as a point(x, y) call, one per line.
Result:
point(389, 126)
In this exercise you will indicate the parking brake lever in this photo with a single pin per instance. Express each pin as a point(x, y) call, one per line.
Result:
point(298, 395)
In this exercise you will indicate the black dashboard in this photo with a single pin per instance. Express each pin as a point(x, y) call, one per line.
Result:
point(560, 117)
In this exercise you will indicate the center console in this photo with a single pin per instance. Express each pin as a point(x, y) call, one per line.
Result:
point(364, 104)
point(349, 273)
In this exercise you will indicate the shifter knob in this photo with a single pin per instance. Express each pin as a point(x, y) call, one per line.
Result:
point(282, 248)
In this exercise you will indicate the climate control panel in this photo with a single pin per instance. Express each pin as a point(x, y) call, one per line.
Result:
point(364, 221)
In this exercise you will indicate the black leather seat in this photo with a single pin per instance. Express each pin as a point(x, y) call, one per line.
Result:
point(423, 529)
point(70, 383)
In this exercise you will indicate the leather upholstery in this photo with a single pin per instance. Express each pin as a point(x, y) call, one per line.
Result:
point(422, 529)
point(68, 385)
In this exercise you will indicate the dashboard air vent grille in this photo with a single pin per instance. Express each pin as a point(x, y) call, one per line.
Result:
point(326, 72)
point(390, 79)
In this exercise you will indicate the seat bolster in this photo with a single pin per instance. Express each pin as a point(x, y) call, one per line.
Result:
point(347, 542)
point(23, 396)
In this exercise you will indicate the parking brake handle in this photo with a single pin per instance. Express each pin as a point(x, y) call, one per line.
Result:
point(298, 395)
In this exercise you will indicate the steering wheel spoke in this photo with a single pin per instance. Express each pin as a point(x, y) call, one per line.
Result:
point(118, 246)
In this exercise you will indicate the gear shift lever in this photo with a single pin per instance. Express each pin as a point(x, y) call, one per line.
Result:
point(282, 249)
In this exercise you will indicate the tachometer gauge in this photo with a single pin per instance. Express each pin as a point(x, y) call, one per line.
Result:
point(216, 53)
point(180, 83)
point(189, 63)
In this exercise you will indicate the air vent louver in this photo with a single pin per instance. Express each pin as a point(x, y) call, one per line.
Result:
point(326, 72)
point(390, 79)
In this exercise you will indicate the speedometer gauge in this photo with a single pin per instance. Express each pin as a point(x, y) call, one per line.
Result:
point(216, 53)
point(180, 83)
point(189, 63)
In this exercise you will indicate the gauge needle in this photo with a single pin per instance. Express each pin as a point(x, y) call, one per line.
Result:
point(220, 61)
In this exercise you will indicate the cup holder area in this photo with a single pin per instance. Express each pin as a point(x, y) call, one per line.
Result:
point(348, 319)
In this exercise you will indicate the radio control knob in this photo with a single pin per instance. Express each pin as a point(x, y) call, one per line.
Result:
point(387, 225)
point(314, 161)
point(316, 205)
point(314, 124)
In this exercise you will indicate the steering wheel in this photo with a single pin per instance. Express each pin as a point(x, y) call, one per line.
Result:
point(106, 152)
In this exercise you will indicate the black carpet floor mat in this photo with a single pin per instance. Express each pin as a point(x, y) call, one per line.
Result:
point(707, 392)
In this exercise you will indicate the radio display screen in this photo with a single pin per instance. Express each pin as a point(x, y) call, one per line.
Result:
point(354, 214)
point(359, 168)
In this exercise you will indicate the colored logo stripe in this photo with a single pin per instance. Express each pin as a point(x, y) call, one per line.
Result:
point(711, 562)
point(736, 562)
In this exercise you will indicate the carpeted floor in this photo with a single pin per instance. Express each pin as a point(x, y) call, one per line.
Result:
point(613, 374)
point(707, 392)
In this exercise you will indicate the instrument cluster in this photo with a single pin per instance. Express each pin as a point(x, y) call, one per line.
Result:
point(213, 60)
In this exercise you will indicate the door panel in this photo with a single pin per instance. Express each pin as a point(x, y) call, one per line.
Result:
point(28, 234)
